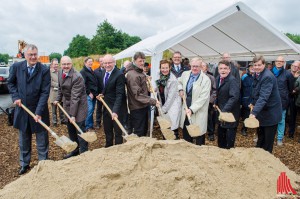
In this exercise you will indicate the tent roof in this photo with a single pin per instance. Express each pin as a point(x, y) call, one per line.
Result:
point(237, 30)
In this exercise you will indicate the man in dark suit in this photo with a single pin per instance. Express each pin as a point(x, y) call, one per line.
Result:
point(228, 96)
point(91, 86)
point(177, 69)
point(71, 92)
point(267, 104)
point(113, 84)
point(29, 84)
point(98, 73)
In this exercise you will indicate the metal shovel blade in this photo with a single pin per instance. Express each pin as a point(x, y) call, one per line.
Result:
point(193, 130)
point(168, 134)
point(251, 123)
point(66, 144)
point(89, 136)
point(163, 123)
point(226, 117)
point(130, 137)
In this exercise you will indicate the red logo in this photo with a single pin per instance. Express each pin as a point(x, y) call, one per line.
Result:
point(284, 186)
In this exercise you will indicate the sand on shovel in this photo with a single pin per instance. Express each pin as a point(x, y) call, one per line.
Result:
point(147, 168)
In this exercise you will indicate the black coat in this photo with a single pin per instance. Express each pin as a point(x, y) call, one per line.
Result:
point(34, 93)
point(182, 69)
point(266, 99)
point(114, 91)
point(90, 79)
point(285, 82)
point(98, 73)
point(228, 99)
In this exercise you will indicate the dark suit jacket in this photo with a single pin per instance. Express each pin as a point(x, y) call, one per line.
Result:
point(228, 99)
point(114, 91)
point(90, 79)
point(98, 73)
point(182, 69)
point(71, 92)
point(266, 99)
point(33, 91)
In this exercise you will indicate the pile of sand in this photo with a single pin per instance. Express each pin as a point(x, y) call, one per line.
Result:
point(147, 168)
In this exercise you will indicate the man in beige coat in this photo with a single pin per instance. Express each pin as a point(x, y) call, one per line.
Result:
point(195, 86)
point(54, 91)
point(71, 92)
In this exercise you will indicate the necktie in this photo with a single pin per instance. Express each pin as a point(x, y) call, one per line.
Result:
point(30, 71)
point(190, 84)
point(221, 81)
point(106, 78)
point(177, 68)
point(64, 75)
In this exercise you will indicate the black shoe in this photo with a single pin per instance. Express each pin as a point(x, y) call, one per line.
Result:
point(73, 153)
point(24, 170)
point(244, 132)
point(211, 138)
point(291, 136)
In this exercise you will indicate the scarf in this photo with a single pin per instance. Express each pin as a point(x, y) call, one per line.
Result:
point(137, 69)
point(276, 71)
point(162, 81)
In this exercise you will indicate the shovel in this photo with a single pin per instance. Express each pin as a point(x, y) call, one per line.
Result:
point(193, 129)
point(251, 122)
point(225, 116)
point(64, 142)
point(88, 136)
point(164, 120)
point(127, 136)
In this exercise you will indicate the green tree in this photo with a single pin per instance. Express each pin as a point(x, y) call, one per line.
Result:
point(107, 37)
point(294, 37)
point(55, 55)
point(4, 58)
point(79, 46)
point(129, 40)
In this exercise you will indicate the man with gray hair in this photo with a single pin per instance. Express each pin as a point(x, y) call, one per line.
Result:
point(29, 84)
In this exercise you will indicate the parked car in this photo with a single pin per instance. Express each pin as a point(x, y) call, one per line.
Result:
point(4, 73)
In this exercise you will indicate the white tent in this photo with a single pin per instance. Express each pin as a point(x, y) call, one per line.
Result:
point(237, 30)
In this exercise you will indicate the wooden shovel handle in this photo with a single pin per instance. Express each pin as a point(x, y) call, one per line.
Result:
point(185, 106)
point(155, 97)
point(218, 108)
point(99, 97)
point(251, 107)
point(68, 116)
point(40, 121)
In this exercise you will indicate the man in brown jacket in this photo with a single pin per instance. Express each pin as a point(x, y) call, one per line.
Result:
point(54, 91)
point(71, 92)
point(138, 98)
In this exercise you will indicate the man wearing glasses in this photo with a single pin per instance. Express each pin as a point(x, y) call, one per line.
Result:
point(29, 84)
point(285, 82)
point(177, 68)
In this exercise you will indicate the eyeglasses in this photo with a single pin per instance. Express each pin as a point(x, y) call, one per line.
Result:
point(279, 61)
point(66, 64)
point(195, 66)
point(106, 63)
point(32, 54)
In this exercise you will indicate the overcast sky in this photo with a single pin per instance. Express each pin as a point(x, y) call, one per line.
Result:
point(51, 24)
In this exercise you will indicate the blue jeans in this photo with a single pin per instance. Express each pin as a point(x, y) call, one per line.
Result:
point(281, 126)
point(89, 121)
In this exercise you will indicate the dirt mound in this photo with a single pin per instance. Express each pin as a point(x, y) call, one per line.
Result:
point(148, 168)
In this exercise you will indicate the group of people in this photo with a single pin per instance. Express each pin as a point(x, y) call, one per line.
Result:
point(126, 92)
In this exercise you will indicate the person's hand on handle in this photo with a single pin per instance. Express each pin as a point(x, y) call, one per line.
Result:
point(18, 102)
point(91, 95)
point(37, 118)
point(188, 112)
point(114, 116)
point(157, 103)
point(72, 119)
point(181, 93)
point(55, 102)
point(251, 116)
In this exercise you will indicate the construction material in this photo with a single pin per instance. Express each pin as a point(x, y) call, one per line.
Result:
point(64, 142)
point(89, 136)
point(193, 129)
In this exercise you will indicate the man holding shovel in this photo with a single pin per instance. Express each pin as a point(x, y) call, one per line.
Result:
point(29, 84)
point(112, 83)
point(195, 86)
point(71, 92)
